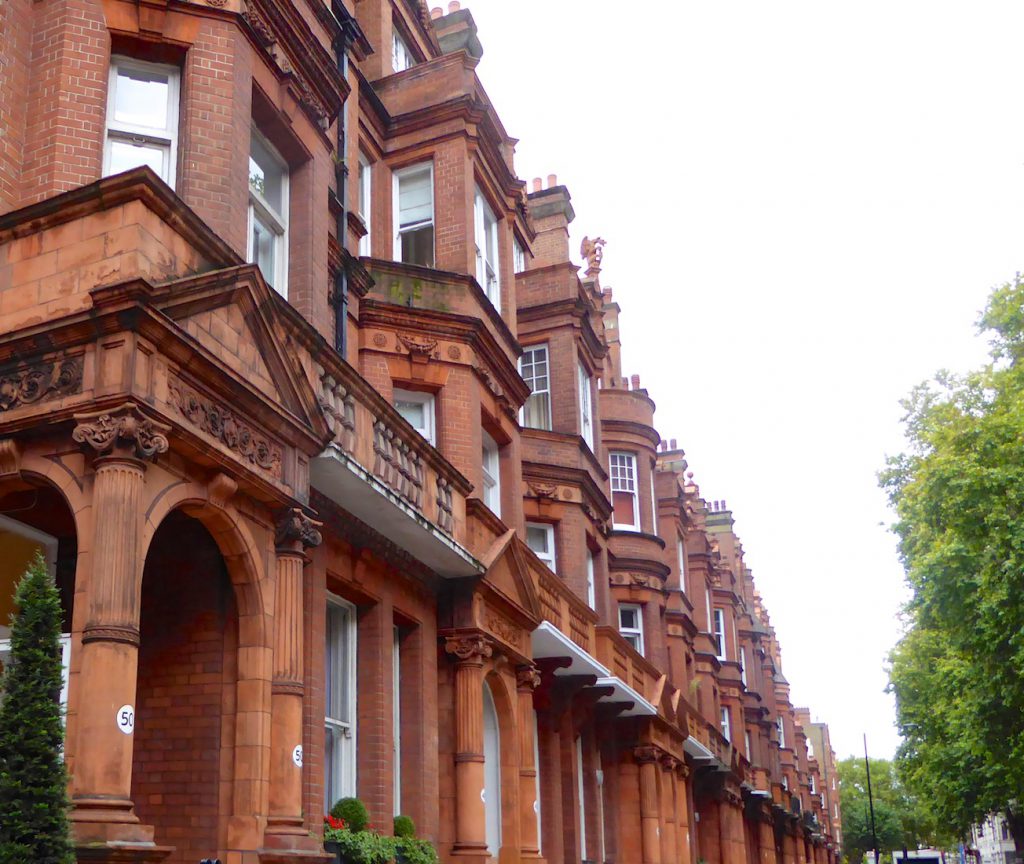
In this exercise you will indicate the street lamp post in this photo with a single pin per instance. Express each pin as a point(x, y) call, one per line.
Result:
point(871, 803)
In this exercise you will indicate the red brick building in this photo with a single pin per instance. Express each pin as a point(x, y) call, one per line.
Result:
point(328, 445)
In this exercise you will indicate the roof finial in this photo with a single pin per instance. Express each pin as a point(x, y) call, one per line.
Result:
point(593, 252)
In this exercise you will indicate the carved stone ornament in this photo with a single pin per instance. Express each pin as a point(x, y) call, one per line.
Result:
point(669, 763)
point(124, 428)
point(527, 677)
point(454, 352)
point(646, 753)
point(221, 424)
point(543, 490)
point(593, 252)
point(470, 646)
point(380, 340)
point(294, 526)
point(504, 629)
point(419, 347)
point(24, 385)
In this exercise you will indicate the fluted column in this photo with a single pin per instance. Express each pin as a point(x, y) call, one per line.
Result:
point(470, 651)
point(788, 848)
point(684, 840)
point(725, 840)
point(766, 836)
point(122, 441)
point(647, 758)
point(296, 533)
point(527, 680)
point(669, 851)
point(801, 847)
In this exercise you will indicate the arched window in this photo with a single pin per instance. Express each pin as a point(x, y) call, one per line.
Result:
point(492, 773)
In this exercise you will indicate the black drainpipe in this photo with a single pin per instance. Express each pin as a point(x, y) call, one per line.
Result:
point(341, 48)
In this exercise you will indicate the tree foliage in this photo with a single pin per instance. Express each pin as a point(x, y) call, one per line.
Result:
point(958, 672)
point(33, 781)
point(901, 821)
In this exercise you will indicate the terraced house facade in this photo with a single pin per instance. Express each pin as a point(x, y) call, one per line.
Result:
point(327, 442)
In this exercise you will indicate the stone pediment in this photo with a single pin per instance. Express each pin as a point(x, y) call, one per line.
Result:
point(508, 574)
point(233, 315)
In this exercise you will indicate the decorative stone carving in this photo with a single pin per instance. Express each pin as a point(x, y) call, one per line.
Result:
point(259, 25)
point(380, 340)
point(468, 646)
point(504, 629)
point(543, 490)
point(646, 753)
point(527, 677)
point(339, 407)
point(221, 489)
point(25, 385)
point(125, 427)
point(496, 389)
point(454, 352)
point(294, 526)
point(419, 347)
point(669, 763)
point(593, 252)
point(221, 424)
point(445, 517)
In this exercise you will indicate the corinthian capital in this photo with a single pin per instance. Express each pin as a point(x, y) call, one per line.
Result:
point(125, 430)
point(527, 677)
point(294, 526)
point(468, 646)
point(646, 753)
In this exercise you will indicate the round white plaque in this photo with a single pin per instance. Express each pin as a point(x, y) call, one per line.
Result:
point(297, 756)
point(125, 719)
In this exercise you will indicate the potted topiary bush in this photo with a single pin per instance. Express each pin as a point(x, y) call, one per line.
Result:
point(346, 834)
point(409, 849)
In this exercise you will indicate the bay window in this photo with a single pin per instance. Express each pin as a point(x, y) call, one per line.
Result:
point(340, 702)
point(540, 537)
point(485, 235)
point(533, 366)
point(268, 212)
point(726, 725)
point(518, 257)
point(720, 634)
point(142, 118)
point(413, 213)
point(401, 57)
point(782, 732)
point(631, 625)
point(365, 181)
point(624, 501)
point(586, 409)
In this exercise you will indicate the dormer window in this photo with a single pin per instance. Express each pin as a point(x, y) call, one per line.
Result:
point(485, 233)
point(401, 57)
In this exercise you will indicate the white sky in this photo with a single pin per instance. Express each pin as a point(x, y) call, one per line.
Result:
point(806, 204)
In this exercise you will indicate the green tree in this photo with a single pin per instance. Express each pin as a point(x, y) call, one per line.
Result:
point(958, 672)
point(33, 780)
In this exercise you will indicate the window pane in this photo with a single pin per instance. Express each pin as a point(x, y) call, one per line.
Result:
point(266, 174)
point(537, 411)
point(537, 540)
point(415, 198)
point(125, 156)
point(263, 251)
point(414, 412)
point(337, 664)
point(140, 98)
point(418, 246)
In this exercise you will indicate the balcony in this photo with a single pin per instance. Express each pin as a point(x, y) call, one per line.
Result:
point(624, 403)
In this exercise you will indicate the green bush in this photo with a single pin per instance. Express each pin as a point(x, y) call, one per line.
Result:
point(404, 827)
point(410, 850)
point(365, 847)
point(353, 811)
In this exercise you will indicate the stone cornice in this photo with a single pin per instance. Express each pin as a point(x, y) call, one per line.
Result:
point(609, 428)
point(576, 308)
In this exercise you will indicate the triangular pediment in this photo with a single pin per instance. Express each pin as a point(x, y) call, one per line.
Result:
point(508, 573)
point(233, 315)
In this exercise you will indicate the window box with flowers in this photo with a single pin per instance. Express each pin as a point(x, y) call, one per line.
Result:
point(348, 836)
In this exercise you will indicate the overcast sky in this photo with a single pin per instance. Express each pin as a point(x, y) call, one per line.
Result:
point(806, 204)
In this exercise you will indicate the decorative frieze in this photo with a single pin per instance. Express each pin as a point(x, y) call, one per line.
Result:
point(646, 753)
point(507, 631)
point(222, 425)
point(25, 385)
point(468, 646)
point(124, 428)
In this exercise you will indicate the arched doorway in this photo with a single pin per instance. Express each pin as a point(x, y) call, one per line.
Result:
point(492, 773)
point(186, 700)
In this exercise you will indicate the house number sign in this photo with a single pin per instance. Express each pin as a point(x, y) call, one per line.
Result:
point(125, 718)
point(297, 756)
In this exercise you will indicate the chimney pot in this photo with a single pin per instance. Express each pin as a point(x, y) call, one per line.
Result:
point(436, 13)
point(636, 381)
point(607, 292)
point(664, 444)
point(552, 181)
point(672, 444)
point(454, 6)
point(537, 184)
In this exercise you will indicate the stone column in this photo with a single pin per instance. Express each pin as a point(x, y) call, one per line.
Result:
point(122, 440)
point(296, 532)
point(647, 758)
point(725, 833)
point(669, 851)
point(788, 848)
point(684, 841)
point(766, 841)
point(801, 846)
point(527, 679)
point(470, 651)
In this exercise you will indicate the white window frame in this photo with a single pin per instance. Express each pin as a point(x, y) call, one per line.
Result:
point(346, 740)
point(536, 782)
point(277, 222)
point(491, 470)
point(591, 581)
point(781, 725)
point(743, 666)
point(707, 606)
point(485, 228)
point(726, 724)
point(681, 561)
point(429, 430)
point(365, 202)
point(399, 229)
point(654, 505)
point(719, 634)
point(402, 57)
point(396, 721)
point(623, 474)
point(586, 404)
point(518, 256)
point(127, 132)
point(814, 786)
point(581, 795)
point(746, 744)
point(537, 391)
point(637, 631)
point(550, 558)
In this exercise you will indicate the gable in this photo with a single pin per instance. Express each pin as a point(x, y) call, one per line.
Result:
point(508, 573)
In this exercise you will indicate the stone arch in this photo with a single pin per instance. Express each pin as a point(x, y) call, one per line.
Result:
point(508, 727)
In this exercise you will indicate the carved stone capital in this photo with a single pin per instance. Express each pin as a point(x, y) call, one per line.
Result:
point(295, 527)
point(646, 753)
point(123, 431)
point(527, 677)
point(669, 763)
point(468, 646)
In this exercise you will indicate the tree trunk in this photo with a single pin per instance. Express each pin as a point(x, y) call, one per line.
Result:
point(1015, 822)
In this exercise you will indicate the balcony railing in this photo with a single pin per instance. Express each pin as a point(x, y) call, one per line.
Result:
point(560, 605)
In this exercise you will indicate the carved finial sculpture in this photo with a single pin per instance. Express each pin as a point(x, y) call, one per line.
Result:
point(593, 252)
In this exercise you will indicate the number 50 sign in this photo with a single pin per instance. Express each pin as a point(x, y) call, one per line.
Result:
point(125, 719)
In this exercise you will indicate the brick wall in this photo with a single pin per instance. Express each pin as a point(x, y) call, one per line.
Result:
point(16, 25)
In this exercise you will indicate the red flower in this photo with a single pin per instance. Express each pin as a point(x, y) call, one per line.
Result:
point(334, 822)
